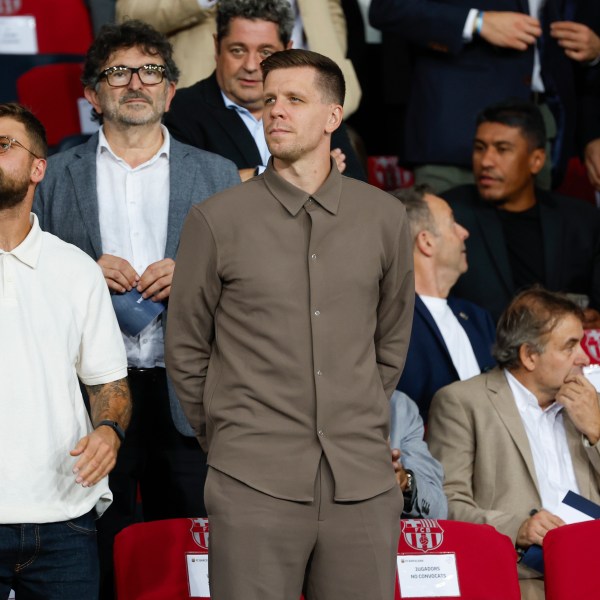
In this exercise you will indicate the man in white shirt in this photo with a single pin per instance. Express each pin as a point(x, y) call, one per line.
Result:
point(122, 198)
point(451, 338)
point(513, 441)
point(57, 325)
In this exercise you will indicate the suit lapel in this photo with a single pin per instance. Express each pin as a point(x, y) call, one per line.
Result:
point(550, 222)
point(180, 197)
point(581, 463)
point(232, 125)
point(83, 174)
point(502, 400)
point(429, 321)
point(471, 330)
point(493, 237)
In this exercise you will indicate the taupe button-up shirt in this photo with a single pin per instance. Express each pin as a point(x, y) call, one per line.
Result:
point(289, 321)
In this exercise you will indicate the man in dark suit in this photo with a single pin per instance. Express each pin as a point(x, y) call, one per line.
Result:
point(451, 339)
point(223, 113)
point(521, 235)
point(122, 198)
point(467, 56)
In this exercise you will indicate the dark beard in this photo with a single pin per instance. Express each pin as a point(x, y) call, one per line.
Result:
point(12, 192)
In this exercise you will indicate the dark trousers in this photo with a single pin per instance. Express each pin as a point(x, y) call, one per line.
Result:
point(169, 467)
point(50, 561)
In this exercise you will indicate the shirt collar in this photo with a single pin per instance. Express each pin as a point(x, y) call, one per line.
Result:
point(28, 251)
point(233, 106)
point(293, 198)
point(525, 400)
point(164, 150)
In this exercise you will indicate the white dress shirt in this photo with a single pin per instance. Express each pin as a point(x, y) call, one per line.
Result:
point(456, 339)
point(133, 210)
point(548, 442)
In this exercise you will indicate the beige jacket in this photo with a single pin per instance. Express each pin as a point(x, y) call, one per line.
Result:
point(476, 432)
point(190, 29)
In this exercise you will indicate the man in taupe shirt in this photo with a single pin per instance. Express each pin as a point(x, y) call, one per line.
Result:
point(289, 321)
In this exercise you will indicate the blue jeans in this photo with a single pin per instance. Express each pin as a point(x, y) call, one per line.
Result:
point(50, 561)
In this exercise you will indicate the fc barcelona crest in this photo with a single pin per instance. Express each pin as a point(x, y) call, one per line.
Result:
point(423, 535)
point(199, 531)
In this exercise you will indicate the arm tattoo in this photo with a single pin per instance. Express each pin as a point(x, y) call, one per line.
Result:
point(110, 401)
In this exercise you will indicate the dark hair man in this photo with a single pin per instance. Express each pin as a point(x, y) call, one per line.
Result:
point(515, 440)
point(58, 328)
point(122, 198)
point(223, 113)
point(521, 235)
point(291, 311)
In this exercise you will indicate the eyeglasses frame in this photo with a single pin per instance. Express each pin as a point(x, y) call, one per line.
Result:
point(132, 71)
point(12, 141)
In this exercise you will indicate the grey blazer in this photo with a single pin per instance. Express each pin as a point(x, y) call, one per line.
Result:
point(67, 206)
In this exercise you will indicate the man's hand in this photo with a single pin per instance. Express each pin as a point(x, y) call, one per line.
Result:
point(401, 476)
point(534, 529)
point(592, 162)
point(578, 40)
point(340, 159)
point(510, 29)
point(119, 274)
point(98, 455)
point(156, 280)
point(580, 399)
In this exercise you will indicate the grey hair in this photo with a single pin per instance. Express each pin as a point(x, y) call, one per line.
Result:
point(529, 320)
point(275, 11)
point(417, 210)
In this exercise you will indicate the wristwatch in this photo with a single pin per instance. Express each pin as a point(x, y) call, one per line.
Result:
point(115, 427)
point(409, 491)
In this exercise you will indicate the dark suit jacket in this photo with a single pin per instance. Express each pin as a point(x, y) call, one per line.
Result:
point(198, 116)
point(571, 233)
point(66, 203)
point(454, 81)
point(429, 366)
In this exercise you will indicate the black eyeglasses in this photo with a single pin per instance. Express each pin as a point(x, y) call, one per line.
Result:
point(120, 76)
point(6, 143)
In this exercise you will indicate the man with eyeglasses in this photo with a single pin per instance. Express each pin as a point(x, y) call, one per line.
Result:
point(122, 198)
point(54, 458)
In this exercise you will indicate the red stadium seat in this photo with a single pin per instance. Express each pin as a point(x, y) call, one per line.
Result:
point(51, 92)
point(571, 562)
point(486, 561)
point(63, 27)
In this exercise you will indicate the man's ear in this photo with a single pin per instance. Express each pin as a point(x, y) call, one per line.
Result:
point(424, 243)
point(38, 170)
point(335, 118)
point(92, 97)
point(528, 357)
point(537, 160)
point(216, 45)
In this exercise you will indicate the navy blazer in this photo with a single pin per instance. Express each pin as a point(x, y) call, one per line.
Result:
point(429, 366)
point(453, 80)
point(198, 116)
point(66, 204)
point(571, 239)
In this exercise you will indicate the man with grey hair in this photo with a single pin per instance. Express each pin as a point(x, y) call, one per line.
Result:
point(515, 440)
point(223, 113)
point(451, 338)
point(122, 198)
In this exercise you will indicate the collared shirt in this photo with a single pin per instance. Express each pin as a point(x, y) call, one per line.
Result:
point(254, 126)
point(289, 323)
point(456, 338)
point(133, 210)
point(57, 324)
point(548, 442)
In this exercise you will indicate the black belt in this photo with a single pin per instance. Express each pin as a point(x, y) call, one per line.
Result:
point(137, 372)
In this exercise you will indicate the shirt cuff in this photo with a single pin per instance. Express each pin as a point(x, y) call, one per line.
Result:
point(467, 35)
point(206, 3)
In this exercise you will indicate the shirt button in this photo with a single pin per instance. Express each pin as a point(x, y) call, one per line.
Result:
point(319, 373)
point(313, 256)
point(321, 433)
point(317, 313)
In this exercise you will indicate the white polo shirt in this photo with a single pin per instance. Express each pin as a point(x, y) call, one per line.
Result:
point(56, 323)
